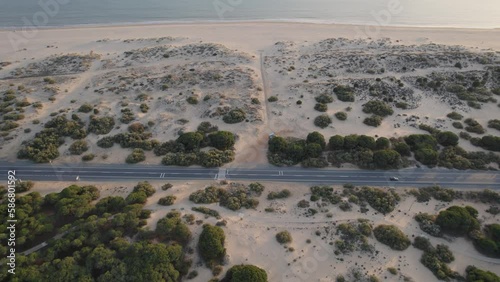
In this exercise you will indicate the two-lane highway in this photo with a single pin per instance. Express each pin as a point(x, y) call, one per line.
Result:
point(102, 173)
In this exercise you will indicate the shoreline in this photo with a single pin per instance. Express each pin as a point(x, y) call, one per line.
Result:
point(248, 36)
point(244, 22)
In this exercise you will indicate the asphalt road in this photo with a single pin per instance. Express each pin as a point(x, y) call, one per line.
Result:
point(102, 173)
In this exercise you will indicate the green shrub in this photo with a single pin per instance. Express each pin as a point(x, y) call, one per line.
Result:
point(392, 270)
point(206, 211)
point(455, 116)
point(78, 147)
point(402, 148)
point(193, 100)
point(427, 156)
point(9, 125)
point(222, 140)
point(458, 220)
point(245, 273)
point(136, 127)
point(447, 138)
point(321, 107)
point(336, 142)
point(167, 200)
point(374, 121)
point(474, 126)
point(101, 125)
point(136, 156)
point(144, 108)
point(490, 142)
point(211, 245)
point(255, 101)
point(234, 116)
point(256, 188)
point(85, 108)
point(474, 274)
point(457, 125)
point(207, 127)
point(24, 186)
point(284, 237)
point(127, 116)
point(494, 123)
point(272, 99)
point(209, 195)
point(106, 142)
point(317, 138)
point(88, 157)
point(381, 200)
point(341, 115)
point(285, 193)
point(402, 105)
point(344, 93)
point(144, 187)
point(378, 108)
point(423, 244)
point(386, 159)
point(391, 236)
point(49, 80)
point(444, 253)
point(322, 121)
point(324, 99)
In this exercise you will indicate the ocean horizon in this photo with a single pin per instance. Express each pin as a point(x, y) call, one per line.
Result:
point(483, 14)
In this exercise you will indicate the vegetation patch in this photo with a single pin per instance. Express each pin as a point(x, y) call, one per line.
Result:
point(354, 237)
point(391, 236)
point(284, 237)
point(234, 116)
point(344, 93)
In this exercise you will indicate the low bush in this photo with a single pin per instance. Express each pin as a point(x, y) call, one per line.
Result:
point(206, 127)
point(24, 186)
point(193, 100)
point(272, 99)
point(207, 211)
point(245, 273)
point(378, 108)
point(144, 108)
point(234, 116)
point(136, 156)
point(474, 126)
point(324, 99)
point(322, 121)
point(85, 108)
point(211, 245)
point(321, 107)
point(474, 274)
point(127, 116)
point(101, 125)
point(167, 200)
point(455, 116)
point(88, 157)
point(284, 237)
point(78, 147)
point(391, 236)
point(341, 115)
point(494, 123)
point(374, 121)
point(344, 93)
point(457, 125)
point(283, 194)
point(458, 220)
